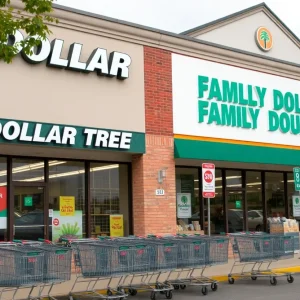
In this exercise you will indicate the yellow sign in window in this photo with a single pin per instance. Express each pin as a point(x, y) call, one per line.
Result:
point(116, 225)
point(67, 205)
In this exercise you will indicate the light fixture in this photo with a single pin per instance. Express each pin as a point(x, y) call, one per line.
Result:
point(254, 183)
point(66, 174)
point(220, 178)
point(31, 167)
point(162, 174)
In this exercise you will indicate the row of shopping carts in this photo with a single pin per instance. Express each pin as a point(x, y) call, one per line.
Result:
point(29, 264)
point(154, 264)
point(254, 252)
point(124, 266)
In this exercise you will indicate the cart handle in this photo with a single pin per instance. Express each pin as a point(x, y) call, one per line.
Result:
point(104, 238)
point(44, 241)
point(18, 241)
point(151, 236)
point(67, 240)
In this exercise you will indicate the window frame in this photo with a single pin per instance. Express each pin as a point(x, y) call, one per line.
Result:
point(11, 183)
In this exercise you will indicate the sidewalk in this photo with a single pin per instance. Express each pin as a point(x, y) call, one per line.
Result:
point(282, 266)
point(219, 273)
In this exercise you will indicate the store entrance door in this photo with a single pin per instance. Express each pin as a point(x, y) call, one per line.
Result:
point(29, 213)
point(235, 211)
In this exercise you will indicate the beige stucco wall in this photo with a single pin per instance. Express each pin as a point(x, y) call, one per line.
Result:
point(43, 94)
point(240, 35)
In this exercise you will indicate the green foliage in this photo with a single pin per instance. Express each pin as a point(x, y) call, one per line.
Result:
point(33, 20)
point(264, 36)
point(70, 229)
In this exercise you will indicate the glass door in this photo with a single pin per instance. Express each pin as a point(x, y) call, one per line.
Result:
point(235, 211)
point(29, 213)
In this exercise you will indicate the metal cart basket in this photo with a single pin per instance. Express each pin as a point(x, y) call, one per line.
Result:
point(258, 251)
point(20, 267)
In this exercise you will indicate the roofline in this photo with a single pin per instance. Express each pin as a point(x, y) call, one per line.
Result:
point(282, 23)
point(248, 9)
point(263, 4)
point(110, 19)
point(171, 34)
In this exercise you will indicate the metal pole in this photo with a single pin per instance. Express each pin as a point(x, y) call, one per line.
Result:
point(208, 216)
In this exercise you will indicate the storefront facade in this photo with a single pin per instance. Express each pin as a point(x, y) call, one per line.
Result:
point(246, 117)
point(115, 119)
point(233, 104)
point(71, 119)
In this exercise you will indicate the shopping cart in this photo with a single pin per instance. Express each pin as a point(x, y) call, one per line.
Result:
point(191, 258)
point(57, 265)
point(98, 261)
point(259, 251)
point(160, 259)
point(232, 237)
point(20, 268)
point(204, 251)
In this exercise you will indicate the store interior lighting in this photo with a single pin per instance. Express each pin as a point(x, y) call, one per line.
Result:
point(65, 174)
point(31, 167)
point(220, 178)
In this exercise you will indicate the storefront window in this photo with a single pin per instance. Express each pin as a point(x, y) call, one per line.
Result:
point(28, 170)
point(291, 192)
point(275, 194)
point(67, 200)
point(217, 207)
point(254, 201)
point(235, 201)
point(187, 187)
point(3, 199)
point(233, 179)
point(109, 199)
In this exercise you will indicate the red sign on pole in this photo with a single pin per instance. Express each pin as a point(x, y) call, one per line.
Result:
point(208, 180)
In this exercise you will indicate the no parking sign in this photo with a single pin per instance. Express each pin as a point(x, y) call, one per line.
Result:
point(208, 180)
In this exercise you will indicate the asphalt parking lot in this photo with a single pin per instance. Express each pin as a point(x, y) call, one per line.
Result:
point(241, 290)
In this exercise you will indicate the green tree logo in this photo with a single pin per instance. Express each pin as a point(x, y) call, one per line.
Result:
point(297, 201)
point(264, 36)
point(184, 199)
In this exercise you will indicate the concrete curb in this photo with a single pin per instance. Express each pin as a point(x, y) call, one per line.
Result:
point(296, 269)
point(224, 278)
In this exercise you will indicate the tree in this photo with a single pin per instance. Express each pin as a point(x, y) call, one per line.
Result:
point(32, 19)
point(265, 37)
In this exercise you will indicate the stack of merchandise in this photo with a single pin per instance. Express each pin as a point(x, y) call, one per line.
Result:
point(288, 227)
point(194, 227)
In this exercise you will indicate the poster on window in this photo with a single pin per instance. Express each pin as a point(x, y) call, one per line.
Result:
point(116, 225)
point(67, 205)
point(184, 205)
point(296, 206)
point(66, 227)
point(3, 207)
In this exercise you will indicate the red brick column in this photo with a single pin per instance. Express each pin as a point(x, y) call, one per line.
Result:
point(156, 214)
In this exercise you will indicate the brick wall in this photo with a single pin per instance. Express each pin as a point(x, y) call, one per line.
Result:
point(156, 214)
point(158, 91)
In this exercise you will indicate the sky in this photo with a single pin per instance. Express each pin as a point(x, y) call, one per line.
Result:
point(180, 15)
